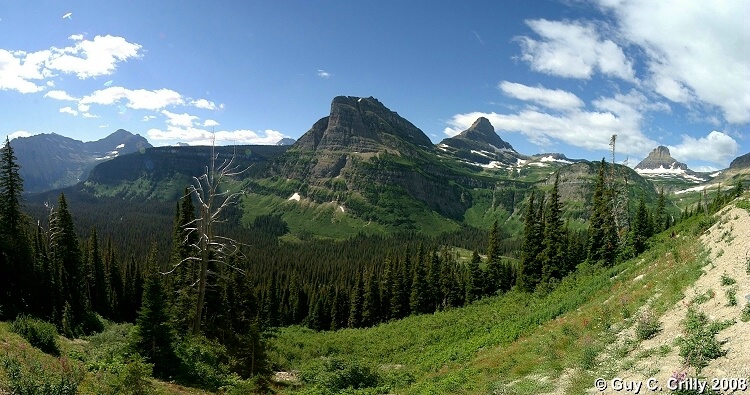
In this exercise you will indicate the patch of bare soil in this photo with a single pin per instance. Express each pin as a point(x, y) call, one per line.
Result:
point(728, 244)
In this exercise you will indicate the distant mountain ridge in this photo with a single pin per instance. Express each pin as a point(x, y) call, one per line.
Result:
point(51, 161)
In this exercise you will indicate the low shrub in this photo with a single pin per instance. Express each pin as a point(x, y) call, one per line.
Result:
point(38, 333)
point(27, 375)
point(647, 326)
point(698, 345)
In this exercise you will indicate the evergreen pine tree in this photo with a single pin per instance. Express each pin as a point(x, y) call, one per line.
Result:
point(68, 254)
point(98, 285)
point(661, 221)
point(531, 270)
point(603, 239)
point(153, 337)
point(475, 279)
point(552, 258)
point(371, 301)
point(419, 300)
point(355, 306)
point(435, 292)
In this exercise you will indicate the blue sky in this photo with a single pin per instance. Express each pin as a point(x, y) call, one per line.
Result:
point(552, 76)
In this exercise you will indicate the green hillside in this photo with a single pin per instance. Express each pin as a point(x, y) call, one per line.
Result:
point(512, 344)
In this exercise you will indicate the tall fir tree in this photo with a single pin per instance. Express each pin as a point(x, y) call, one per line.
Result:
point(67, 253)
point(419, 300)
point(531, 269)
point(371, 301)
point(475, 279)
point(553, 261)
point(603, 238)
point(153, 337)
point(356, 303)
point(97, 278)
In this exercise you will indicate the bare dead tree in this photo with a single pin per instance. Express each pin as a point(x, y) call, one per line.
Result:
point(212, 200)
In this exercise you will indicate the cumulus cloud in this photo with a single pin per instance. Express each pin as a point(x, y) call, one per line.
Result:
point(68, 110)
point(573, 50)
point(17, 73)
point(92, 58)
point(210, 122)
point(179, 120)
point(19, 134)
point(695, 51)
point(716, 147)
point(86, 58)
point(323, 74)
point(204, 104)
point(60, 95)
point(198, 136)
point(147, 118)
point(620, 114)
point(139, 99)
point(551, 98)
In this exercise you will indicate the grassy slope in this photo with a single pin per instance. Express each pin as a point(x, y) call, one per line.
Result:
point(515, 343)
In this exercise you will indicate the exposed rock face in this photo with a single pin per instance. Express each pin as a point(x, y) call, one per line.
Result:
point(481, 135)
point(660, 157)
point(50, 161)
point(740, 162)
point(362, 125)
point(286, 141)
point(363, 150)
point(479, 144)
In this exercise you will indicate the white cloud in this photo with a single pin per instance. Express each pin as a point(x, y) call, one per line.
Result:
point(59, 95)
point(83, 107)
point(197, 136)
point(92, 58)
point(203, 103)
point(210, 122)
point(323, 74)
point(86, 58)
point(716, 147)
point(555, 99)
point(573, 50)
point(15, 75)
point(103, 126)
point(19, 134)
point(620, 115)
point(695, 51)
point(68, 110)
point(89, 115)
point(179, 120)
point(147, 118)
point(139, 99)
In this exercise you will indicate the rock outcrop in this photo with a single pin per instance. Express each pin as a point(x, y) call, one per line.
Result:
point(660, 158)
point(479, 144)
point(362, 125)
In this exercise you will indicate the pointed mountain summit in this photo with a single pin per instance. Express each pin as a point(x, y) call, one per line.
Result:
point(660, 158)
point(482, 133)
point(362, 125)
point(480, 145)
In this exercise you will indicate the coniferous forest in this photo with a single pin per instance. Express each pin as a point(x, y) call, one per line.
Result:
point(203, 308)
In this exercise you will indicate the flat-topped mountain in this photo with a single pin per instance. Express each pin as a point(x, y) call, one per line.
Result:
point(660, 158)
point(363, 125)
point(51, 161)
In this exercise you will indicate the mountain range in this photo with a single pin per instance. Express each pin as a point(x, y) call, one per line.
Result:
point(361, 168)
point(51, 161)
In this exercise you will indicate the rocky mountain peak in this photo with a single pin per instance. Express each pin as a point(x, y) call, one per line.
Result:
point(660, 158)
point(481, 132)
point(362, 125)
